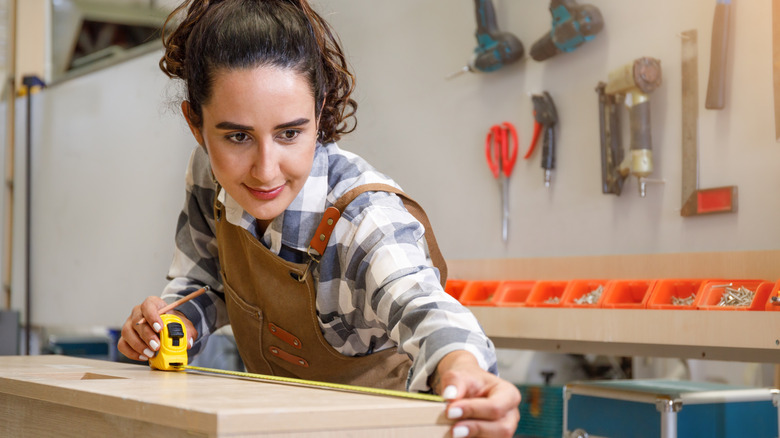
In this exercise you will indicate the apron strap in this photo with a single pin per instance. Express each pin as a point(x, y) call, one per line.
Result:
point(332, 215)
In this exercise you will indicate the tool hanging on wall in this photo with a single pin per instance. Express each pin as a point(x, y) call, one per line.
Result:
point(696, 201)
point(716, 87)
point(629, 85)
point(545, 118)
point(572, 25)
point(495, 49)
point(501, 163)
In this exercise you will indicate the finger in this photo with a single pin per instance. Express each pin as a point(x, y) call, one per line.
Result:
point(145, 341)
point(474, 428)
point(500, 398)
point(131, 345)
point(150, 310)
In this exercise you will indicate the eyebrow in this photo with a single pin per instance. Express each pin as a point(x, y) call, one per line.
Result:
point(240, 127)
point(236, 126)
point(296, 122)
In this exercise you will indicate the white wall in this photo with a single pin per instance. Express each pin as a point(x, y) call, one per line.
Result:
point(109, 154)
point(109, 159)
point(429, 133)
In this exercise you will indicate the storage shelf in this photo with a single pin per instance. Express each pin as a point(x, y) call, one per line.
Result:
point(745, 336)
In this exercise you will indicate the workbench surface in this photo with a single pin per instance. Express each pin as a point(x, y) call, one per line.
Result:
point(67, 396)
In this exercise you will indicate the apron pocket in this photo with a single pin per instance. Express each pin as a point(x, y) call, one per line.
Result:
point(246, 321)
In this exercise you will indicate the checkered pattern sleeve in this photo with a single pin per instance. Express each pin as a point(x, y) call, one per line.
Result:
point(391, 295)
point(195, 261)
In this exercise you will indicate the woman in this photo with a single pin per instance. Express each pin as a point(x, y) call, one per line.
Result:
point(357, 301)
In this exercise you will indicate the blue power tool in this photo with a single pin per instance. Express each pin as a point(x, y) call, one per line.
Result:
point(572, 25)
point(495, 49)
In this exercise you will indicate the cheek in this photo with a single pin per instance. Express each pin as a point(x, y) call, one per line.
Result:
point(301, 165)
point(224, 165)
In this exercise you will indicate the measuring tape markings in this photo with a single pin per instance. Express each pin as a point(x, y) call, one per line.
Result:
point(310, 383)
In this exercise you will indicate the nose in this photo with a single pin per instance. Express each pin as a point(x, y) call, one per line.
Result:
point(265, 163)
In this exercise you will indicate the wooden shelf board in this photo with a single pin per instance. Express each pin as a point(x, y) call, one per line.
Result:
point(750, 336)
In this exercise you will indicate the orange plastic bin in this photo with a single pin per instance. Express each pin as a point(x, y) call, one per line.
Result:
point(578, 289)
point(513, 293)
point(770, 303)
point(667, 290)
point(479, 293)
point(455, 287)
point(547, 293)
point(628, 294)
point(712, 291)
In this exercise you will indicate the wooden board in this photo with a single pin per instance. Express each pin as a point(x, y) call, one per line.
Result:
point(65, 396)
point(744, 336)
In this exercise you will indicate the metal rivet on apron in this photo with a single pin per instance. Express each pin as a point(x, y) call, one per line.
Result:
point(302, 362)
point(273, 329)
point(330, 221)
point(295, 342)
point(274, 351)
point(322, 237)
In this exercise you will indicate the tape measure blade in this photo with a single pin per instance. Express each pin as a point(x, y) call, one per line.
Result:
point(325, 385)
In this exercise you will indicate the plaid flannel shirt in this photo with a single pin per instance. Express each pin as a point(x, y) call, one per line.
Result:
point(376, 287)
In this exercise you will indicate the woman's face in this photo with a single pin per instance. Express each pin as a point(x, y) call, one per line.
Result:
point(260, 132)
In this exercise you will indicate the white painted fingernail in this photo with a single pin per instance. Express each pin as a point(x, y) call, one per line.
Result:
point(190, 342)
point(460, 432)
point(454, 413)
point(157, 327)
point(142, 357)
point(154, 344)
point(148, 352)
point(450, 392)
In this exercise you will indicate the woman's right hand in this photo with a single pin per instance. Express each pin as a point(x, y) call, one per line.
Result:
point(140, 341)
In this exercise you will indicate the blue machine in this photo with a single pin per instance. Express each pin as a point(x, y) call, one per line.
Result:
point(667, 409)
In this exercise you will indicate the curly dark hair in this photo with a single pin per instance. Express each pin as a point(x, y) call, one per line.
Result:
point(237, 34)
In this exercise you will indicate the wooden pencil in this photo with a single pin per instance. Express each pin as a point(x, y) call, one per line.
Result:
point(179, 302)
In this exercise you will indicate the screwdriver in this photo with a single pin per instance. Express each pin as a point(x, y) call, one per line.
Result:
point(495, 49)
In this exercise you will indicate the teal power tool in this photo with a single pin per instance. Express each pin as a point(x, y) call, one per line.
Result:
point(572, 25)
point(495, 49)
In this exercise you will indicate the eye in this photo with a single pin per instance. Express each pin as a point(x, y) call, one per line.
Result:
point(289, 135)
point(238, 137)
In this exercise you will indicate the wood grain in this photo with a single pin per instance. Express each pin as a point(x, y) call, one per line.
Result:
point(66, 396)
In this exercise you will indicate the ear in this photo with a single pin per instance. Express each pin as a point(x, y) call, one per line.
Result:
point(194, 128)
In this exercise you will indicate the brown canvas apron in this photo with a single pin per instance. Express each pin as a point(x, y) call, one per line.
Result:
point(271, 304)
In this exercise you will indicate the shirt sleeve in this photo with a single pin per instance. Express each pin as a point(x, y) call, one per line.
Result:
point(196, 260)
point(389, 264)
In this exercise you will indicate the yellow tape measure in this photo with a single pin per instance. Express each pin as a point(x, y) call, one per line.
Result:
point(316, 384)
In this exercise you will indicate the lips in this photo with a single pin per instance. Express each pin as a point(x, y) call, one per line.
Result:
point(266, 195)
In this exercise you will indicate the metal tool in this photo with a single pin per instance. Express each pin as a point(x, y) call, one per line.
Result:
point(172, 356)
point(501, 162)
point(694, 200)
point(716, 87)
point(545, 117)
point(629, 85)
point(495, 49)
point(572, 25)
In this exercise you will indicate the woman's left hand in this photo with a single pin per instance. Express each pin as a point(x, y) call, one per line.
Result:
point(482, 404)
